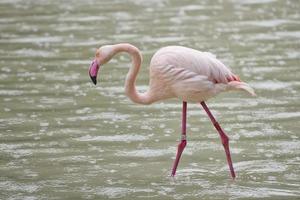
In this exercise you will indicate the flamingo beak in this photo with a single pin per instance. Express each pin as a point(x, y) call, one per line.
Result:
point(93, 71)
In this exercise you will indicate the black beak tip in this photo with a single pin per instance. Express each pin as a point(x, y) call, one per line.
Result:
point(94, 79)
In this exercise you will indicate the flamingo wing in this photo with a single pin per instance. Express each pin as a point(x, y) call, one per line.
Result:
point(216, 70)
point(185, 83)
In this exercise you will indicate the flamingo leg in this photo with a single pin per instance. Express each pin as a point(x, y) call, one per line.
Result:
point(224, 138)
point(182, 144)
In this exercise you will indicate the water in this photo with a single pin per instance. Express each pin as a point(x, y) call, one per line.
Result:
point(63, 138)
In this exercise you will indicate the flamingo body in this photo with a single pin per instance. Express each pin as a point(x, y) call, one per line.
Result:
point(190, 75)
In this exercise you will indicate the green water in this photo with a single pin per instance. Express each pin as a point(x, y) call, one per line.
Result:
point(63, 138)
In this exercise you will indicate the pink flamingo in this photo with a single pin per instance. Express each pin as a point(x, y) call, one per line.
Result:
point(177, 72)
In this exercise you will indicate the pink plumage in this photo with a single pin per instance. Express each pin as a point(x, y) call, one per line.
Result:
point(192, 75)
point(176, 72)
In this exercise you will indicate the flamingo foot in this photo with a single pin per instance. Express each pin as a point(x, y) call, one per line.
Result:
point(180, 149)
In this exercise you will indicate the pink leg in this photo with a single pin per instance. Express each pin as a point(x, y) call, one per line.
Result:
point(182, 144)
point(224, 137)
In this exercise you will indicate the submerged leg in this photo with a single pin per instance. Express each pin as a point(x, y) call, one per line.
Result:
point(182, 144)
point(224, 137)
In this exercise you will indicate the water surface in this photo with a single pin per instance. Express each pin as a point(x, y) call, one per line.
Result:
point(63, 138)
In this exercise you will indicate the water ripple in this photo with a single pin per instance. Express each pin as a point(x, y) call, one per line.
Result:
point(113, 138)
point(145, 153)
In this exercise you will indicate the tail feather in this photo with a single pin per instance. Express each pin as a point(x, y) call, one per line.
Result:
point(236, 85)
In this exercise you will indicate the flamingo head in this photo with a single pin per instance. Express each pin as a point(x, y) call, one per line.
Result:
point(103, 55)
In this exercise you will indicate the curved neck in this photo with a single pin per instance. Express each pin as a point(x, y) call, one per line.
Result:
point(130, 89)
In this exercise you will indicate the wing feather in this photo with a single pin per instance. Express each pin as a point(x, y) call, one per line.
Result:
point(184, 83)
point(219, 72)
